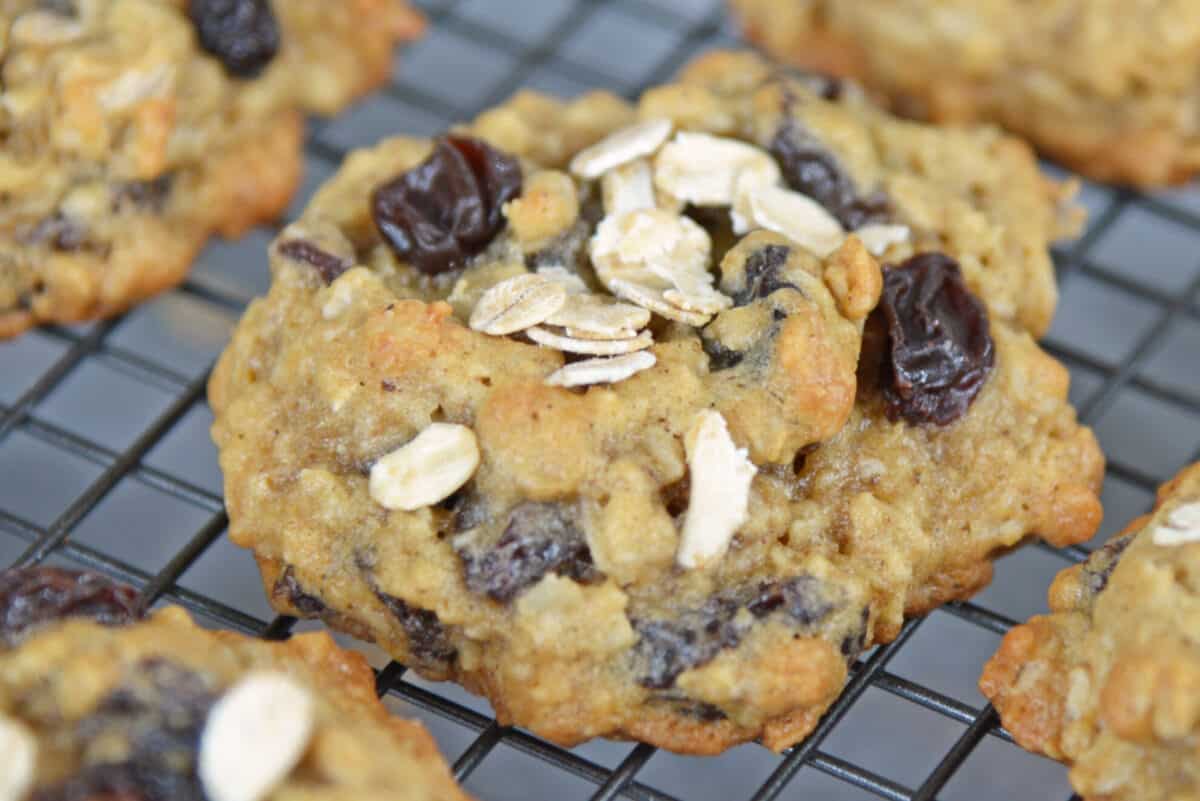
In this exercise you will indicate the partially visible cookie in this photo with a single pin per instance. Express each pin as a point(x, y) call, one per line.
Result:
point(163, 710)
point(1109, 682)
point(646, 421)
point(133, 130)
point(1108, 87)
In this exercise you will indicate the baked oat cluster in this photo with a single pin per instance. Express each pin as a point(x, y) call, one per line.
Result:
point(1109, 681)
point(161, 710)
point(132, 130)
point(1110, 88)
point(645, 420)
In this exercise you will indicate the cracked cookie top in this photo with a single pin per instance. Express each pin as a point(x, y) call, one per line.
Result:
point(646, 420)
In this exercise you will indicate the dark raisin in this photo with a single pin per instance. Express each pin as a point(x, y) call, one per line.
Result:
point(427, 637)
point(34, 596)
point(158, 714)
point(762, 274)
point(720, 357)
point(809, 168)
point(448, 207)
point(242, 34)
point(288, 589)
point(852, 644)
point(540, 538)
point(144, 195)
point(827, 87)
point(802, 597)
point(569, 249)
point(64, 8)
point(470, 512)
point(1099, 567)
point(939, 349)
point(697, 709)
point(667, 648)
point(57, 232)
point(327, 265)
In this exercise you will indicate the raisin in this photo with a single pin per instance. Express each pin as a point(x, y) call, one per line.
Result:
point(827, 87)
point(145, 195)
point(58, 232)
point(762, 274)
point(939, 349)
point(1099, 567)
point(802, 597)
point(667, 648)
point(158, 714)
point(448, 207)
point(720, 357)
point(470, 511)
point(288, 589)
point(33, 596)
point(540, 538)
point(427, 636)
point(852, 644)
point(327, 265)
point(810, 169)
point(696, 709)
point(242, 34)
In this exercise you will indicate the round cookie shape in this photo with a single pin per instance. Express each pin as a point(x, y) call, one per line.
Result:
point(1107, 681)
point(690, 512)
point(163, 710)
point(136, 129)
point(1096, 85)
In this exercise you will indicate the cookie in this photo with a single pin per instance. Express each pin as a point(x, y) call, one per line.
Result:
point(1109, 681)
point(1100, 86)
point(610, 413)
point(165, 710)
point(135, 129)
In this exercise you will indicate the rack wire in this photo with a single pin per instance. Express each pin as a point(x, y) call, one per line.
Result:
point(105, 461)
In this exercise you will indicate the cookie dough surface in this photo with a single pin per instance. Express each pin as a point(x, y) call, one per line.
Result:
point(132, 130)
point(1111, 88)
point(689, 545)
point(152, 710)
point(1109, 682)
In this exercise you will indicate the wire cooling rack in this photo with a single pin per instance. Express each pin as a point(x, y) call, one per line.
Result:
point(105, 459)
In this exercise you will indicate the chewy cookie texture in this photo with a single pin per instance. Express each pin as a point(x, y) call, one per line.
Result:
point(1111, 88)
point(132, 130)
point(645, 420)
point(96, 703)
point(1109, 682)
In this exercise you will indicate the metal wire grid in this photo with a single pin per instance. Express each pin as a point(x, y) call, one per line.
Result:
point(1129, 329)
